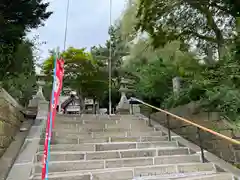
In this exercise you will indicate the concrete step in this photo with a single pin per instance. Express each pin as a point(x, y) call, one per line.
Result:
point(120, 137)
point(128, 173)
point(190, 176)
point(70, 134)
point(110, 146)
point(98, 121)
point(92, 117)
point(114, 154)
point(85, 122)
point(118, 163)
point(80, 131)
point(219, 176)
point(101, 129)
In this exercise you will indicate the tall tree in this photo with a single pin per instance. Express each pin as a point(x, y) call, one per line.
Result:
point(16, 18)
point(81, 73)
point(22, 83)
point(198, 21)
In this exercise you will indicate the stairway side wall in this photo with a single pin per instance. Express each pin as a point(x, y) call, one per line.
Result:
point(211, 120)
point(23, 167)
point(10, 119)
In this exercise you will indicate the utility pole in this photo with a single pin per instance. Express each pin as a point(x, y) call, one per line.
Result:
point(64, 45)
point(66, 26)
point(110, 63)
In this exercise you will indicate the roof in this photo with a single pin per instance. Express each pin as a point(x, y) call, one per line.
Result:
point(68, 101)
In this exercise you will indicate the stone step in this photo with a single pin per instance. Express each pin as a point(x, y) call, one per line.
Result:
point(219, 176)
point(92, 117)
point(99, 124)
point(120, 137)
point(115, 154)
point(80, 130)
point(190, 176)
point(128, 173)
point(98, 118)
point(70, 134)
point(101, 129)
point(98, 121)
point(118, 163)
point(81, 122)
point(110, 146)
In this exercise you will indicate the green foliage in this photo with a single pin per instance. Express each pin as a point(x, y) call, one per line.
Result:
point(195, 41)
point(81, 72)
point(102, 53)
point(204, 23)
point(17, 18)
point(153, 69)
point(17, 70)
point(22, 83)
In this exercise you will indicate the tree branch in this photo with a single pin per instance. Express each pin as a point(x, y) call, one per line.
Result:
point(207, 38)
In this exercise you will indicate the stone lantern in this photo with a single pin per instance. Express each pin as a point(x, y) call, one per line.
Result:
point(39, 95)
point(123, 106)
point(40, 82)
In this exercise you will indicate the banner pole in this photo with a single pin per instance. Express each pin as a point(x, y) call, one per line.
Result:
point(51, 115)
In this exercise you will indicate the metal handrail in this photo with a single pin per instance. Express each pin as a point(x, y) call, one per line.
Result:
point(189, 122)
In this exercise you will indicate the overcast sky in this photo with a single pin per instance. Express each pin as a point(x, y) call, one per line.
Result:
point(88, 23)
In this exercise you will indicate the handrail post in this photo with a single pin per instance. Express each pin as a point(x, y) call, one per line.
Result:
point(131, 108)
point(200, 144)
point(149, 118)
point(169, 128)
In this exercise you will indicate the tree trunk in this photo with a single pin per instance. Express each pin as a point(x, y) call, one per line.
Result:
point(211, 24)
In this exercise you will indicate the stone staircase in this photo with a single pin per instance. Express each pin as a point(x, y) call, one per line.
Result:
point(90, 147)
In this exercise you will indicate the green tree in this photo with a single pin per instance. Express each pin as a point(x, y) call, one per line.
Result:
point(81, 73)
point(17, 18)
point(22, 83)
point(207, 23)
point(119, 50)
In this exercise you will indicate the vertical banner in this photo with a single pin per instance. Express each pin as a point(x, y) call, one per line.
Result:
point(56, 90)
point(58, 85)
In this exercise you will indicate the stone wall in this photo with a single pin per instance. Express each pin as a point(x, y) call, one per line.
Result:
point(24, 165)
point(10, 119)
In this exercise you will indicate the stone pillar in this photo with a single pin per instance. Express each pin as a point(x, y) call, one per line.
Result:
point(176, 86)
point(42, 110)
point(135, 109)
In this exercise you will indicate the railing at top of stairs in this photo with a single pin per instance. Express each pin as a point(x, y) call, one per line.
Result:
point(225, 147)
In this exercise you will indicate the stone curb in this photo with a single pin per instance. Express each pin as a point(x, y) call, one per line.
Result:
point(23, 166)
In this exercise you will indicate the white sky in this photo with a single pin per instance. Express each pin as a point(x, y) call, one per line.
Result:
point(88, 24)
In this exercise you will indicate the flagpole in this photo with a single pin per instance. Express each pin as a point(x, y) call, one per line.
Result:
point(51, 115)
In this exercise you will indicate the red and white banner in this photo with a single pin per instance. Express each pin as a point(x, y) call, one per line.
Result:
point(57, 86)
